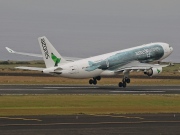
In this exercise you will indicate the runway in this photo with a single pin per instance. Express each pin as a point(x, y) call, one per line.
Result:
point(132, 124)
point(128, 124)
point(79, 89)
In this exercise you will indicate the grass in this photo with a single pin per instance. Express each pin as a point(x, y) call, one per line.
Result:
point(87, 104)
point(61, 81)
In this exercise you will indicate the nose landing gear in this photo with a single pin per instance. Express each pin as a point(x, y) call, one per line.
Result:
point(94, 80)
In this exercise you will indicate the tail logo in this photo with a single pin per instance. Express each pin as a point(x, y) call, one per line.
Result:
point(45, 48)
point(55, 59)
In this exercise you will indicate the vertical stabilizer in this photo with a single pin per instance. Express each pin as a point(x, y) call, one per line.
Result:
point(51, 57)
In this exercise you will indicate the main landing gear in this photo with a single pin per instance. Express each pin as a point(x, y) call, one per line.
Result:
point(94, 80)
point(124, 82)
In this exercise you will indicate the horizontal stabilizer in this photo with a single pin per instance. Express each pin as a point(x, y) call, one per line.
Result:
point(31, 68)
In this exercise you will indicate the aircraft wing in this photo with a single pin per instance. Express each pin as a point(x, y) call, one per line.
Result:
point(137, 66)
point(27, 54)
point(71, 59)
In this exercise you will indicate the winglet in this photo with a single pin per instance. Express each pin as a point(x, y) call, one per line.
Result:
point(9, 50)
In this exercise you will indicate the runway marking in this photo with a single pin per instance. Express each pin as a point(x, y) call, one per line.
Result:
point(114, 116)
point(71, 87)
point(25, 89)
point(25, 119)
point(159, 90)
point(137, 91)
point(93, 123)
point(162, 89)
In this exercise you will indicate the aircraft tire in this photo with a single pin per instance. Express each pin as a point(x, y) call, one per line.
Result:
point(94, 82)
point(128, 80)
point(98, 78)
point(120, 84)
point(91, 81)
point(124, 84)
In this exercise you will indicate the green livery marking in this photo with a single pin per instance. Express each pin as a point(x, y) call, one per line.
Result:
point(55, 59)
point(158, 71)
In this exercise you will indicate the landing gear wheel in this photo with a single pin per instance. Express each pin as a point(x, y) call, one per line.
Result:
point(94, 82)
point(98, 78)
point(120, 84)
point(91, 81)
point(124, 84)
point(128, 80)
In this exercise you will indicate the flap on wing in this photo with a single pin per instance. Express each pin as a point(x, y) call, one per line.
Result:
point(136, 65)
point(31, 68)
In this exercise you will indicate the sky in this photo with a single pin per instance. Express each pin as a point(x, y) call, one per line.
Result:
point(84, 28)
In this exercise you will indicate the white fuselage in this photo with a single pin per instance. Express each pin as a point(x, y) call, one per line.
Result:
point(83, 68)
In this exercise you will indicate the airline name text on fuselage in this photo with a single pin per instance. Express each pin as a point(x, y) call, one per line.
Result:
point(147, 51)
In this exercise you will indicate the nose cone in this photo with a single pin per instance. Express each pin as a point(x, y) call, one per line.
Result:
point(167, 50)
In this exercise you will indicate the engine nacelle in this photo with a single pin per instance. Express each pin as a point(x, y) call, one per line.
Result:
point(153, 71)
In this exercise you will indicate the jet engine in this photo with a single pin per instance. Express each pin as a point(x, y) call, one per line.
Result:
point(153, 71)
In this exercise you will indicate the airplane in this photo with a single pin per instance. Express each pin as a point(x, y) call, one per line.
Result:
point(124, 61)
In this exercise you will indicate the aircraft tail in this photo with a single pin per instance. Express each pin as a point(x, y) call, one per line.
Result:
point(51, 57)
